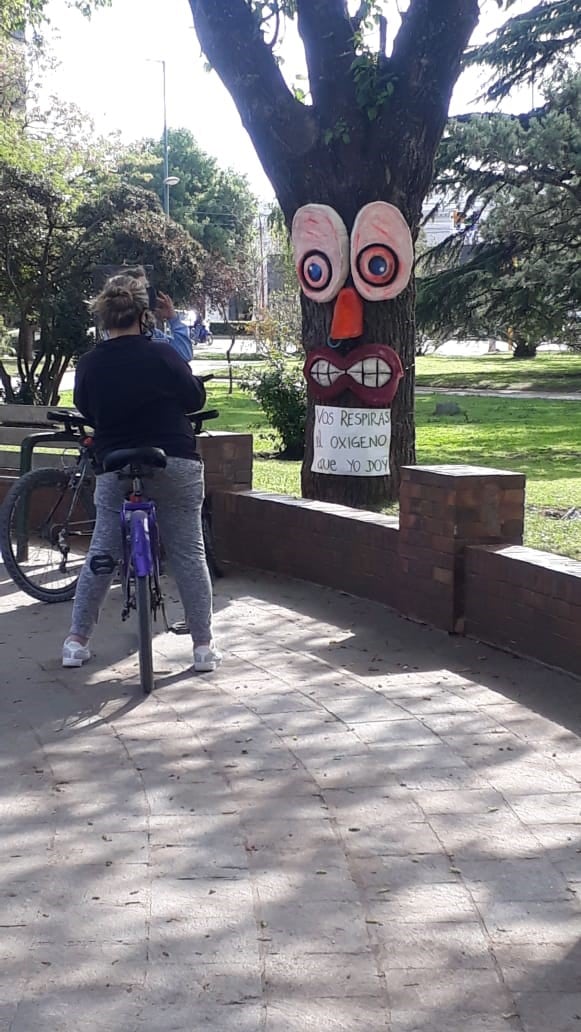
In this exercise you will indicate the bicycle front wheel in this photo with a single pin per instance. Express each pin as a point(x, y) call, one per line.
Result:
point(46, 523)
point(143, 601)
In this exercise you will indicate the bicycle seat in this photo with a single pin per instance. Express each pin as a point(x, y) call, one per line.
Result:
point(122, 457)
point(70, 416)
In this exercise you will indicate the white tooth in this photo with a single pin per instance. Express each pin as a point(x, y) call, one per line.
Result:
point(324, 373)
point(356, 371)
point(371, 372)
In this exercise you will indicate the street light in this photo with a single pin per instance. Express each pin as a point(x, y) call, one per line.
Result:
point(167, 179)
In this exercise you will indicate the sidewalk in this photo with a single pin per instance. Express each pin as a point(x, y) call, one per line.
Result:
point(357, 825)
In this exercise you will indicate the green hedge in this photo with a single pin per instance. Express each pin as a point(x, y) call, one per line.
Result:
point(238, 327)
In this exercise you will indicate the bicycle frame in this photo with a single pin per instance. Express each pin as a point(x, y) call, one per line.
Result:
point(141, 550)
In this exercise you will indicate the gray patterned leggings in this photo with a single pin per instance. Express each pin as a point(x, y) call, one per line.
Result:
point(178, 491)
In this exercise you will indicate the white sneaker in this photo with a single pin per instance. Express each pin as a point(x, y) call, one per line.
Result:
point(206, 658)
point(75, 654)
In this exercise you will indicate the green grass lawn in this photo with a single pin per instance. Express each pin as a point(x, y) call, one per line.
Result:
point(539, 438)
point(547, 372)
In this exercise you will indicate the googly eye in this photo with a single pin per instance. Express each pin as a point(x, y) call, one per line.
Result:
point(321, 248)
point(315, 271)
point(381, 252)
point(377, 264)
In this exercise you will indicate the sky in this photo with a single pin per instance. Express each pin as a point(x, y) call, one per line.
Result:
point(110, 67)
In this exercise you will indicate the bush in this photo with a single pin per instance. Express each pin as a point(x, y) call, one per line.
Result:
point(281, 391)
point(238, 328)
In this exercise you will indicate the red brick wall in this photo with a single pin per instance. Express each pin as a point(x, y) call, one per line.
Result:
point(328, 544)
point(526, 601)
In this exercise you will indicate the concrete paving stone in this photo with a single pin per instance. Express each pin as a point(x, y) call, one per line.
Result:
point(374, 805)
point(355, 1015)
point(219, 1018)
point(201, 984)
point(532, 921)
point(106, 1009)
point(429, 903)
point(289, 836)
point(399, 839)
point(441, 779)
point(491, 835)
point(321, 976)
point(208, 899)
point(117, 885)
point(406, 945)
point(320, 926)
point(93, 965)
point(434, 702)
point(272, 785)
point(557, 1011)
point(99, 847)
point(202, 831)
point(448, 993)
point(284, 808)
point(431, 1021)
point(540, 967)
point(462, 801)
point(350, 771)
point(365, 707)
point(305, 882)
point(520, 778)
point(513, 880)
point(381, 875)
point(409, 731)
point(561, 844)
point(317, 721)
point(553, 808)
point(464, 722)
point(182, 938)
point(185, 862)
point(91, 921)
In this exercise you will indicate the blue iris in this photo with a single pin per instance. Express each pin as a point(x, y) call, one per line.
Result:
point(315, 272)
point(377, 266)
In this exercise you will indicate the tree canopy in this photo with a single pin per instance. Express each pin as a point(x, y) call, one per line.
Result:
point(512, 270)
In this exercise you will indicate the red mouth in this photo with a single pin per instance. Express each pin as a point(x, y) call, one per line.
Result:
point(372, 372)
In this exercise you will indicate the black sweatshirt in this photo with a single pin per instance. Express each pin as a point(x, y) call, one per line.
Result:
point(135, 391)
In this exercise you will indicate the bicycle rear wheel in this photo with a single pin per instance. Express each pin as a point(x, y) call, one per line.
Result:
point(143, 601)
point(46, 523)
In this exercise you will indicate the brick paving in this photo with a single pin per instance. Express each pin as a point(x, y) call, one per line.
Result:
point(358, 825)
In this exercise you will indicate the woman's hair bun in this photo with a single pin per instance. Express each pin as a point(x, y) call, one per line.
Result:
point(122, 302)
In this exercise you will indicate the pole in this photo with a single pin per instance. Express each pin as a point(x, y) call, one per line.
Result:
point(165, 148)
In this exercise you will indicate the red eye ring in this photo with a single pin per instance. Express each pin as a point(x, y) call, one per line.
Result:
point(387, 263)
point(321, 262)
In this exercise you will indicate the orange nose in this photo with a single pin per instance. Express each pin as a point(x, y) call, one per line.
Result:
point(347, 316)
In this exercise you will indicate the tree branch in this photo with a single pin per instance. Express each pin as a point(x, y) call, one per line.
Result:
point(230, 36)
point(327, 34)
point(427, 54)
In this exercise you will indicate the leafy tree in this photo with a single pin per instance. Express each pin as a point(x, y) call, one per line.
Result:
point(49, 244)
point(367, 129)
point(516, 180)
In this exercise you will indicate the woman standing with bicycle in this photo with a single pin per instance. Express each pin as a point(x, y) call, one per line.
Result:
point(136, 392)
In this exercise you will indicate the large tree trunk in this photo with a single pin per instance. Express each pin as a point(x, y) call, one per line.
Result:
point(370, 134)
point(390, 323)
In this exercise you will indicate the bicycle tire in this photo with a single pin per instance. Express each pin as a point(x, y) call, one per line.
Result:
point(19, 504)
point(143, 601)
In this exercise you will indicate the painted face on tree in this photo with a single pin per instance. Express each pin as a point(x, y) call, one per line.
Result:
point(373, 265)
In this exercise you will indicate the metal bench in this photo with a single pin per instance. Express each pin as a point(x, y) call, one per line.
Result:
point(28, 427)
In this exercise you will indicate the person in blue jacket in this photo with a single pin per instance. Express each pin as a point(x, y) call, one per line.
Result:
point(179, 335)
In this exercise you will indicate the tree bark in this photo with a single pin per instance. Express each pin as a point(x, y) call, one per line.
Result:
point(345, 151)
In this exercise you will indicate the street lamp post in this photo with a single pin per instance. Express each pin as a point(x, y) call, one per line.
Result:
point(167, 179)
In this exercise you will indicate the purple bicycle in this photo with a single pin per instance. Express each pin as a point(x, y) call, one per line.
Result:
point(140, 564)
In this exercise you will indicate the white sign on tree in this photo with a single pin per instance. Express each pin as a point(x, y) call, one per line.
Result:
point(351, 442)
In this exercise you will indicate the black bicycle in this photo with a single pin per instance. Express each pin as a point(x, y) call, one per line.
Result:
point(48, 516)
